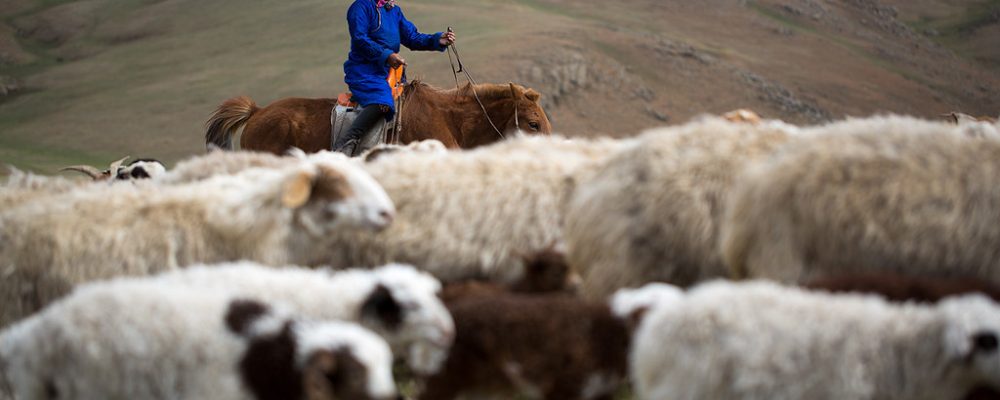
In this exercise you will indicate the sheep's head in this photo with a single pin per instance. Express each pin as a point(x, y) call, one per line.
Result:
point(972, 337)
point(333, 194)
point(344, 361)
point(403, 306)
point(547, 271)
point(633, 304)
point(95, 173)
point(291, 358)
point(143, 168)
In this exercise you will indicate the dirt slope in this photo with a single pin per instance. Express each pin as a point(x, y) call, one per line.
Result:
point(87, 81)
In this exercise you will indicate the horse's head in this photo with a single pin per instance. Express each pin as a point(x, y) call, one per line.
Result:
point(530, 117)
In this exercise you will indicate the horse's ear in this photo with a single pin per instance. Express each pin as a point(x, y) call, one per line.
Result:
point(532, 95)
point(514, 91)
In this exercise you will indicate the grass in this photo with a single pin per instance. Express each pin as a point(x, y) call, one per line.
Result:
point(153, 71)
point(856, 49)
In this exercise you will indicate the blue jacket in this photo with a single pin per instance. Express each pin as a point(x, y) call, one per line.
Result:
point(376, 33)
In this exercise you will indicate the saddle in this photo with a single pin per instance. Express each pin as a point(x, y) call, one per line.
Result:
point(346, 111)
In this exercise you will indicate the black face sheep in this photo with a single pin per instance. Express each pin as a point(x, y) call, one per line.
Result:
point(542, 346)
point(759, 340)
point(396, 301)
point(133, 339)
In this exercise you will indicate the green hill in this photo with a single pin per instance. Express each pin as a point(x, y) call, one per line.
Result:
point(89, 81)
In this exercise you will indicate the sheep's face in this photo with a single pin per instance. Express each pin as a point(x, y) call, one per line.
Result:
point(403, 306)
point(345, 361)
point(545, 272)
point(141, 169)
point(338, 197)
point(972, 337)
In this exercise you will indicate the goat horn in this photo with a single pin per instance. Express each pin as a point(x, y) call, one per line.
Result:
point(117, 164)
point(92, 172)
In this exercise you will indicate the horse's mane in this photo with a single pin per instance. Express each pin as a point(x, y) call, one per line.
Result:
point(485, 91)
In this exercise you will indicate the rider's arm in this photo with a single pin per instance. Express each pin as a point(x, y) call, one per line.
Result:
point(359, 20)
point(414, 40)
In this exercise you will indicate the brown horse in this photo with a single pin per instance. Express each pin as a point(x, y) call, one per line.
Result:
point(453, 116)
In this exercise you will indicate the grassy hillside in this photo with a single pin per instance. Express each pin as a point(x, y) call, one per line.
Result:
point(91, 80)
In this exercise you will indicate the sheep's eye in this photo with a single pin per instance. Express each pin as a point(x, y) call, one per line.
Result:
point(534, 125)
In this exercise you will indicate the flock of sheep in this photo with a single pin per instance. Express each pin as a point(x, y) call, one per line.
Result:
point(726, 258)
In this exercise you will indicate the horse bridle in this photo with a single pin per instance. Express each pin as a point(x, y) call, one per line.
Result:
point(472, 82)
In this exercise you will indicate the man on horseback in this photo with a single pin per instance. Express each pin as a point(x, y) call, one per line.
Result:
point(377, 29)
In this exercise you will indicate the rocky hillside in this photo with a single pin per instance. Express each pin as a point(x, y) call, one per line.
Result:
point(90, 80)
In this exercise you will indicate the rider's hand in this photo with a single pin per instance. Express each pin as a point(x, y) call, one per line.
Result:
point(395, 60)
point(447, 39)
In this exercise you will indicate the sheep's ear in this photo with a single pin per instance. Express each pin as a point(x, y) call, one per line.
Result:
point(381, 306)
point(298, 190)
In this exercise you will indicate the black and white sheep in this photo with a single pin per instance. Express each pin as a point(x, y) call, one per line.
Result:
point(396, 301)
point(136, 339)
point(759, 340)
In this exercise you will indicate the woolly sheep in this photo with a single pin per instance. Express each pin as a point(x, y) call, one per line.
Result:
point(21, 187)
point(545, 346)
point(651, 212)
point(759, 340)
point(273, 216)
point(221, 163)
point(870, 195)
point(468, 214)
point(396, 301)
point(135, 339)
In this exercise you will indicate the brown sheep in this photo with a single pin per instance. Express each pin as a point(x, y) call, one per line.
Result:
point(901, 287)
point(548, 346)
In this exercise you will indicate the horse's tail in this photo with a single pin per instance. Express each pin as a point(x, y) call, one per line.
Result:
point(226, 120)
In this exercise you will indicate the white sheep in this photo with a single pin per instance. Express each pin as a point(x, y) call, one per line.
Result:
point(471, 214)
point(273, 216)
point(762, 341)
point(397, 301)
point(21, 187)
point(220, 163)
point(869, 195)
point(651, 212)
point(142, 339)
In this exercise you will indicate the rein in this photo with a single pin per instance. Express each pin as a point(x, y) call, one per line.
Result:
point(461, 68)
